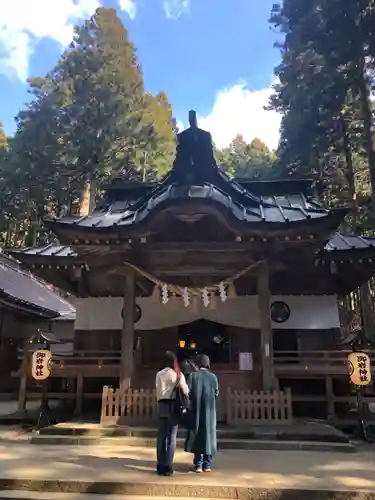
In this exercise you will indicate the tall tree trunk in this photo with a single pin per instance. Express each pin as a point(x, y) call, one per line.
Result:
point(9, 234)
point(368, 119)
point(30, 239)
point(368, 122)
point(367, 316)
point(84, 206)
point(349, 170)
point(87, 203)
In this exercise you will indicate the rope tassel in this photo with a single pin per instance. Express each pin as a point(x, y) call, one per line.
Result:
point(190, 295)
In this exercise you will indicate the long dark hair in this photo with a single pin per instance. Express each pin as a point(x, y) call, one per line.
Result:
point(170, 361)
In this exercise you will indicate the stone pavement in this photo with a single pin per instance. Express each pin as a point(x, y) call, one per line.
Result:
point(37, 495)
point(10, 407)
point(130, 471)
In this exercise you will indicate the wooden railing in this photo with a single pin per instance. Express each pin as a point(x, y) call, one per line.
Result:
point(87, 358)
point(312, 362)
point(94, 357)
point(333, 362)
point(80, 358)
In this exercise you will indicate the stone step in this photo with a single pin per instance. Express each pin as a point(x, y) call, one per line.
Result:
point(223, 443)
point(73, 490)
point(321, 433)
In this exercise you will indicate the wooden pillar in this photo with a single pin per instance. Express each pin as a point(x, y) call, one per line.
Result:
point(79, 395)
point(330, 398)
point(127, 337)
point(266, 340)
point(22, 393)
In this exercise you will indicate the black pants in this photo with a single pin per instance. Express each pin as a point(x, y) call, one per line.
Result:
point(166, 444)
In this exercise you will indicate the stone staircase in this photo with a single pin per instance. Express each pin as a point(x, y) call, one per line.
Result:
point(305, 436)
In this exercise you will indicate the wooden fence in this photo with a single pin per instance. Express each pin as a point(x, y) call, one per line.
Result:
point(131, 407)
point(262, 407)
point(138, 407)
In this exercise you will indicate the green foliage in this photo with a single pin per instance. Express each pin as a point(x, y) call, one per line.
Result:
point(248, 160)
point(90, 119)
point(324, 90)
point(3, 139)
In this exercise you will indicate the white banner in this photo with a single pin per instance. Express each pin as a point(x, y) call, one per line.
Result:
point(306, 313)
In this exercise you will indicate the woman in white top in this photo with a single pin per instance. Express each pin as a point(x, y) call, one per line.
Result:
point(166, 382)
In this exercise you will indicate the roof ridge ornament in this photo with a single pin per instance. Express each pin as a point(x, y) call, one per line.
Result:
point(193, 122)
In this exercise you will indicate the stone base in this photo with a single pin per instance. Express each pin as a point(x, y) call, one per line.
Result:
point(158, 489)
point(302, 436)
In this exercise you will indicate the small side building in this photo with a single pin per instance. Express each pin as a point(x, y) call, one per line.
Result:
point(27, 304)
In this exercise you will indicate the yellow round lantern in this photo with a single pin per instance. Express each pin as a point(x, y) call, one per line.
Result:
point(359, 366)
point(41, 364)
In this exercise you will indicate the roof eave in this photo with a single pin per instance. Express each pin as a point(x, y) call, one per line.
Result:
point(28, 307)
point(349, 253)
point(69, 233)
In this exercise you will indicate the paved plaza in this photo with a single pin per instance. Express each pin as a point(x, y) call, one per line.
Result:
point(22, 463)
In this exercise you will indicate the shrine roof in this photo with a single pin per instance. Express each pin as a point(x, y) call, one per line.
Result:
point(269, 210)
point(339, 242)
point(343, 242)
point(21, 288)
point(119, 188)
point(294, 199)
point(196, 180)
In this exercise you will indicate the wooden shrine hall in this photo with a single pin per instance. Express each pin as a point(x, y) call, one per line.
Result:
point(252, 273)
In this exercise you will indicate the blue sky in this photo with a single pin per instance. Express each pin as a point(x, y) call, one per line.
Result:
point(214, 56)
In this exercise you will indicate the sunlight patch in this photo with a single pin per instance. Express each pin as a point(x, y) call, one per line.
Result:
point(176, 8)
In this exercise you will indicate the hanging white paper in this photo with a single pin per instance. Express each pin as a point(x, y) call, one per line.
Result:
point(245, 361)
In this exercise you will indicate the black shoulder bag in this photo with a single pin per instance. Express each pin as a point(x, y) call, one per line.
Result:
point(179, 404)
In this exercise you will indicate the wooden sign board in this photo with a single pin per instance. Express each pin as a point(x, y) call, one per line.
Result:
point(245, 360)
point(41, 364)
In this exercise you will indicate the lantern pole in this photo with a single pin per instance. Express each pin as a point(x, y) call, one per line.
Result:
point(357, 344)
point(361, 416)
point(43, 416)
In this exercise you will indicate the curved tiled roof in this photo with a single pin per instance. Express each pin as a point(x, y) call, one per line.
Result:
point(196, 179)
point(273, 212)
point(343, 242)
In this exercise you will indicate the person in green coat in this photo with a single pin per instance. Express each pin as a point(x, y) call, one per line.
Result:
point(201, 437)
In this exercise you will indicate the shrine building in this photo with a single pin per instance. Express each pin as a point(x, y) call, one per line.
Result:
point(255, 274)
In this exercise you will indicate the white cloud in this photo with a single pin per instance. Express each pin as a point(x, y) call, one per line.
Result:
point(238, 110)
point(24, 22)
point(180, 126)
point(176, 8)
point(129, 6)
